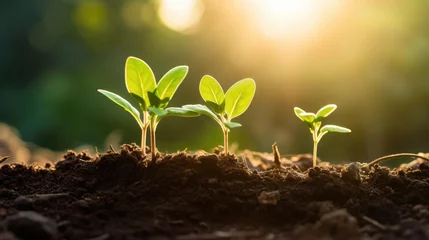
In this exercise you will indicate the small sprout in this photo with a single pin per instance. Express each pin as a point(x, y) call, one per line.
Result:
point(314, 123)
point(152, 98)
point(224, 107)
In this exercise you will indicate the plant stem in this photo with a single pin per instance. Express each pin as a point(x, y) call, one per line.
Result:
point(144, 130)
point(153, 139)
point(314, 153)
point(225, 140)
point(380, 159)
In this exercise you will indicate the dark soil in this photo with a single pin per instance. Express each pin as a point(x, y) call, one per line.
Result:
point(122, 195)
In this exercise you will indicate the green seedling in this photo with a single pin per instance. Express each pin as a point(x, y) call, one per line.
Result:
point(152, 98)
point(314, 123)
point(224, 107)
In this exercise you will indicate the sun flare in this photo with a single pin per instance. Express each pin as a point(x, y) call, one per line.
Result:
point(278, 19)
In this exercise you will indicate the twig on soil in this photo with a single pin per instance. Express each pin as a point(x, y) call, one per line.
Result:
point(276, 155)
point(111, 148)
point(102, 237)
point(4, 159)
point(375, 223)
point(49, 195)
point(413, 155)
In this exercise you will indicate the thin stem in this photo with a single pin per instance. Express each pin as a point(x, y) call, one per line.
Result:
point(392, 156)
point(225, 140)
point(144, 132)
point(314, 153)
point(315, 142)
point(153, 139)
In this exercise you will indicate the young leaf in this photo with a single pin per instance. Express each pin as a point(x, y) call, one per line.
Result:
point(307, 117)
point(219, 109)
point(232, 125)
point(212, 93)
point(158, 111)
point(139, 79)
point(238, 97)
point(124, 104)
point(334, 128)
point(169, 83)
point(326, 111)
point(154, 100)
point(298, 111)
point(181, 112)
point(201, 109)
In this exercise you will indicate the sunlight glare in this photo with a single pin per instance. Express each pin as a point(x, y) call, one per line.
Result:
point(180, 15)
point(277, 19)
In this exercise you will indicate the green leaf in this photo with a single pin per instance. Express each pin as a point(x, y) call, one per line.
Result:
point(232, 124)
point(158, 111)
point(298, 111)
point(334, 128)
point(212, 93)
point(169, 83)
point(181, 112)
point(219, 109)
point(331, 128)
point(139, 79)
point(154, 100)
point(307, 117)
point(326, 111)
point(238, 97)
point(201, 109)
point(124, 104)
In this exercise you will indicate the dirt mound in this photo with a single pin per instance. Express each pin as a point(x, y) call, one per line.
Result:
point(123, 195)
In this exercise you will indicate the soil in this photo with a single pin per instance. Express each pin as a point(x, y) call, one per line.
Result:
point(122, 195)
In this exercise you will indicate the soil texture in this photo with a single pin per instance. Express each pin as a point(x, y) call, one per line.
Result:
point(123, 195)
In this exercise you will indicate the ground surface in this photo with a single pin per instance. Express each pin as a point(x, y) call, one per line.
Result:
point(121, 195)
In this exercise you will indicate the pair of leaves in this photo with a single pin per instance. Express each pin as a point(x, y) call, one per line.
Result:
point(234, 103)
point(141, 84)
point(236, 100)
point(311, 119)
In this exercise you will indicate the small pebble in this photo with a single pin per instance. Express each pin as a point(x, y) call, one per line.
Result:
point(212, 181)
point(269, 198)
point(351, 173)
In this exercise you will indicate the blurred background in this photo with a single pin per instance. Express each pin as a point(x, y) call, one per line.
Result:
point(371, 58)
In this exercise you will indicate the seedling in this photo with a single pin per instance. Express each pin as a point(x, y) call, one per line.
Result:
point(314, 123)
point(224, 107)
point(152, 98)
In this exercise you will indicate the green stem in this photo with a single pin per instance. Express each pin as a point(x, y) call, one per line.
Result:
point(144, 131)
point(153, 139)
point(314, 153)
point(225, 140)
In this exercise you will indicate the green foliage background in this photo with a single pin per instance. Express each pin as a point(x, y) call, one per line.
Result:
point(372, 61)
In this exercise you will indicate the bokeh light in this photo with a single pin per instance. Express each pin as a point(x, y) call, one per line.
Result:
point(180, 15)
